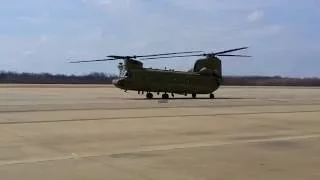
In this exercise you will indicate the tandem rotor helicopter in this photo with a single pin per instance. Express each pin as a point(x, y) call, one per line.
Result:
point(204, 78)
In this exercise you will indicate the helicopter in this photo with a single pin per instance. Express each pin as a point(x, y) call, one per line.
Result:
point(204, 78)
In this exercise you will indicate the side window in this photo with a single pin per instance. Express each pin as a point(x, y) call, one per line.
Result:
point(128, 74)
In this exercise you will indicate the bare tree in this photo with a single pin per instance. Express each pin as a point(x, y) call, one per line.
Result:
point(102, 78)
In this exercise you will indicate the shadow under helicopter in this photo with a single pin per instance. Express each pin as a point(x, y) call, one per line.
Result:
point(190, 98)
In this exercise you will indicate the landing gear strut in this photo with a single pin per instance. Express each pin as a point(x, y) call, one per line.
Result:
point(165, 96)
point(149, 95)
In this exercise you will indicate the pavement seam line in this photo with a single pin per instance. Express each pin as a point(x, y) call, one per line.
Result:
point(161, 148)
point(159, 116)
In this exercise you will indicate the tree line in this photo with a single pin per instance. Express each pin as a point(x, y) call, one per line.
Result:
point(269, 81)
point(47, 78)
point(103, 78)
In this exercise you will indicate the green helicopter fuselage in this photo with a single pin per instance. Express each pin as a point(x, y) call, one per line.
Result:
point(205, 78)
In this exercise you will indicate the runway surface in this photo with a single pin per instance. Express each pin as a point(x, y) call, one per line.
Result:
point(73, 132)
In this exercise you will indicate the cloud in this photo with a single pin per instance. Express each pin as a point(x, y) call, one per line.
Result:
point(43, 38)
point(105, 2)
point(113, 4)
point(28, 53)
point(86, 29)
point(273, 29)
point(255, 16)
point(29, 19)
point(222, 5)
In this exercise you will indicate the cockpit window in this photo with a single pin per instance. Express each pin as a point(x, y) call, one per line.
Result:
point(128, 74)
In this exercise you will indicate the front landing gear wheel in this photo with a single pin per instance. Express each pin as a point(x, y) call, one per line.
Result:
point(165, 96)
point(212, 96)
point(149, 95)
point(194, 95)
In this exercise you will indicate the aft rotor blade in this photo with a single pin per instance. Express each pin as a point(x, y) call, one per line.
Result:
point(166, 54)
point(154, 55)
point(95, 60)
point(193, 55)
point(119, 57)
point(167, 57)
point(231, 50)
point(231, 55)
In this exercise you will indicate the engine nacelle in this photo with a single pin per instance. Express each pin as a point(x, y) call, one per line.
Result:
point(132, 64)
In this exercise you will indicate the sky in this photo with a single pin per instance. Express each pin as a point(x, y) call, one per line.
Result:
point(44, 35)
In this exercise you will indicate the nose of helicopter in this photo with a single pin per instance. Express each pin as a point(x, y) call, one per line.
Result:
point(119, 83)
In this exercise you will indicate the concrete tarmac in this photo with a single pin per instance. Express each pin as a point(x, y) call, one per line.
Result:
point(73, 132)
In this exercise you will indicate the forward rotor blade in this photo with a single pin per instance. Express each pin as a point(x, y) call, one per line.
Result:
point(231, 50)
point(193, 55)
point(167, 57)
point(119, 57)
point(95, 60)
point(231, 55)
point(165, 54)
point(153, 55)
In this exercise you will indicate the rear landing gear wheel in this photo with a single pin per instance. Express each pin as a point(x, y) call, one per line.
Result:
point(149, 95)
point(194, 95)
point(165, 96)
point(212, 96)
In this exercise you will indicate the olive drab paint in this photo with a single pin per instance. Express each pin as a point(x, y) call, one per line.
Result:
point(204, 78)
point(155, 80)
